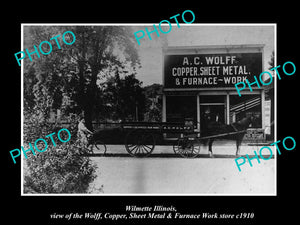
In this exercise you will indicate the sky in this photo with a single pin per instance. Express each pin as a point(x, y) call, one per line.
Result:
point(150, 51)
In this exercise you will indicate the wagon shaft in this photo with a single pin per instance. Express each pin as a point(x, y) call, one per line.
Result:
point(222, 135)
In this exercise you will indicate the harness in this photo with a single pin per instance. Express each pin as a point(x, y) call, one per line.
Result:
point(235, 129)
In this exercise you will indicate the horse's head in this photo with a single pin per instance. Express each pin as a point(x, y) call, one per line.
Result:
point(251, 119)
point(247, 121)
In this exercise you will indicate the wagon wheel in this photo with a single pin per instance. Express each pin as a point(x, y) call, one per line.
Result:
point(139, 143)
point(100, 146)
point(175, 148)
point(187, 148)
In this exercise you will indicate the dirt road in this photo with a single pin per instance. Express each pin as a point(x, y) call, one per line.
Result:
point(169, 175)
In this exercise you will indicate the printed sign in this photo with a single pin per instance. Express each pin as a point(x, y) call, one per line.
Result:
point(254, 134)
point(210, 70)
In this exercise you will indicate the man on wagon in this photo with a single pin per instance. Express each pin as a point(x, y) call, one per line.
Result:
point(210, 120)
point(82, 132)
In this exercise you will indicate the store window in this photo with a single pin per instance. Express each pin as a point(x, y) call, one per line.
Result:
point(246, 105)
point(180, 107)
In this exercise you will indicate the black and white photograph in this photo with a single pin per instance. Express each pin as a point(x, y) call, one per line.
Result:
point(135, 113)
point(144, 109)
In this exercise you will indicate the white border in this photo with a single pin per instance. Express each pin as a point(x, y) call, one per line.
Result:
point(150, 24)
point(22, 107)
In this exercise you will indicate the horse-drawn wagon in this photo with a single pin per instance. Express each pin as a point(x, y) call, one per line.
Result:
point(141, 137)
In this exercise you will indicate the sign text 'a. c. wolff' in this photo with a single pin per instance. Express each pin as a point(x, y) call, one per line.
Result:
point(210, 70)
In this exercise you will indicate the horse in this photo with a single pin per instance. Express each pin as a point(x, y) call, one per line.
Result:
point(215, 128)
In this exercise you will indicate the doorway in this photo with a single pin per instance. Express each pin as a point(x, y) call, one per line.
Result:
point(212, 107)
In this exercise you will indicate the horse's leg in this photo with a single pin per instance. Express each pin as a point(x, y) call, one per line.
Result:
point(238, 144)
point(210, 141)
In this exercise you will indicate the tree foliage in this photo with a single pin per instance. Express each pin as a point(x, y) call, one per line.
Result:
point(73, 72)
point(153, 95)
point(59, 169)
point(67, 79)
point(124, 98)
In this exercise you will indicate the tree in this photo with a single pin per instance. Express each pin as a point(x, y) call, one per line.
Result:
point(125, 97)
point(67, 79)
point(45, 78)
point(153, 95)
point(54, 171)
point(75, 70)
point(96, 52)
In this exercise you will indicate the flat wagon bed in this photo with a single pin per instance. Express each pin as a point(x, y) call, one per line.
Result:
point(140, 140)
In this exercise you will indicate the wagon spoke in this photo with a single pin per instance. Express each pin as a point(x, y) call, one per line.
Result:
point(131, 150)
point(137, 149)
point(145, 148)
point(186, 148)
point(139, 143)
point(141, 152)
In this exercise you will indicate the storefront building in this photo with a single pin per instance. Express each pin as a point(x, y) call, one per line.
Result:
point(202, 79)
